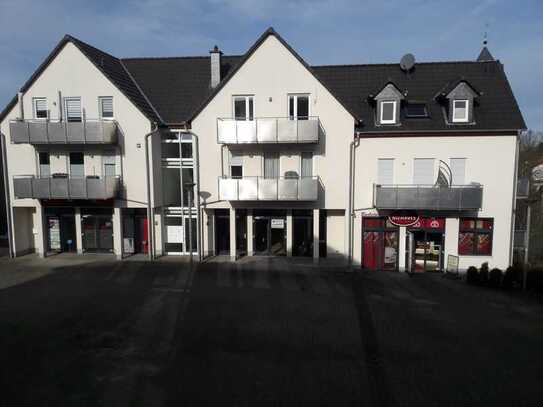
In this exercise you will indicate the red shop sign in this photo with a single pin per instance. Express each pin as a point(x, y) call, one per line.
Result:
point(403, 220)
point(429, 223)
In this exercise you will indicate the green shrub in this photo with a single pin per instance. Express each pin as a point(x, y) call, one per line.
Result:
point(495, 278)
point(508, 278)
point(483, 274)
point(472, 275)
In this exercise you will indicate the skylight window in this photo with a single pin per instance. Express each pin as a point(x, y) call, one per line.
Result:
point(414, 110)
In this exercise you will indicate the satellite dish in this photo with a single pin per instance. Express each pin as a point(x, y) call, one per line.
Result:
point(407, 62)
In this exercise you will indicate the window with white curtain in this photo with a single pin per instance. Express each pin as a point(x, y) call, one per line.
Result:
point(458, 170)
point(385, 171)
point(423, 171)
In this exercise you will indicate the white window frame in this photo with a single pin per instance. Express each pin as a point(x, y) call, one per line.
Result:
point(238, 162)
point(101, 110)
point(394, 110)
point(247, 98)
point(296, 96)
point(65, 103)
point(35, 108)
point(457, 119)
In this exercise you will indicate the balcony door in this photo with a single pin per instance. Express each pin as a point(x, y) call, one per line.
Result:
point(271, 165)
point(243, 107)
point(77, 167)
point(298, 107)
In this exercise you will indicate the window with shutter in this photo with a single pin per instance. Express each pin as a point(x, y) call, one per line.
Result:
point(236, 165)
point(307, 164)
point(40, 108)
point(458, 169)
point(385, 171)
point(271, 165)
point(73, 109)
point(423, 171)
point(106, 107)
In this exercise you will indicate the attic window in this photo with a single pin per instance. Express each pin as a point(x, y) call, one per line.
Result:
point(460, 110)
point(416, 110)
point(388, 112)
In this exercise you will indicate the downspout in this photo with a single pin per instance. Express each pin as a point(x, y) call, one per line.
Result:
point(11, 243)
point(352, 146)
point(150, 215)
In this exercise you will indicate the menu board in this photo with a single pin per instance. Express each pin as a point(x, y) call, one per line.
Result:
point(54, 233)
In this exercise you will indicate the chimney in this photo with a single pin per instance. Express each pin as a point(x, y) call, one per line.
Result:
point(215, 66)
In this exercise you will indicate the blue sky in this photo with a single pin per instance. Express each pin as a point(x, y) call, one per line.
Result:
point(322, 31)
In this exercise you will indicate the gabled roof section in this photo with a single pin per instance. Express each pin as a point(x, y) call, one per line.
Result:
point(245, 58)
point(453, 87)
point(109, 65)
point(390, 90)
point(485, 55)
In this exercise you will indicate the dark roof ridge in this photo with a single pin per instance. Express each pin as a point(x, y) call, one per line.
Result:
point(177, 57)
point(74, 39)
point(397, 63)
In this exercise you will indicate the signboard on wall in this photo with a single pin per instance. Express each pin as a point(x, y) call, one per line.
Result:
point(429, 223)
point(403, 220)
point(277, 223)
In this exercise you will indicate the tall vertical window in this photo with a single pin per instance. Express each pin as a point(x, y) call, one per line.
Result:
point(388, 112)
point(475, 236)
point(39, 106)
point(109, 166)
point(243, 107)
point(73, 109)
point(458, 170)
point(271, 165)
point(298, 107)
point(460, 110)
point(105, 103)
point(385, 171)
point(77, 167)
point(423, 171)
point(307, 164)
point(45, 167)
point(236, 165)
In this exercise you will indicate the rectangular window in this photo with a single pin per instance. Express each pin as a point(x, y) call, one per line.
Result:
point(307, 164)
point(298, 107)
point(106, 107)
point(77, 167)
point(423, 171)
point(40, 108)
point(243, 107)
point(188, 178)
point(236, 165)
point(109, 166)
point(73, 109)
point(458, 170)
point(475, 236)
point(45, 167)
point(416, 110)
point(271, 165)
point(385, 171)
point(388, 112)
point(460, 111)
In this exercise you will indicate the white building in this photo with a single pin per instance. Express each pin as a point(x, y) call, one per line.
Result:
point(389, 166)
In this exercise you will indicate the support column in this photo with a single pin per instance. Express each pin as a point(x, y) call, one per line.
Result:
point(232, 217)
point(40, 231)
point(316, 239)
point(402, 248)
point(78, 232)
point(117, 233)
point(289, 232)
point(250, 250)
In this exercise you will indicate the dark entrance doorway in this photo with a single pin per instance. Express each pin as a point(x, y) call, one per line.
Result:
point(302, 233)
point(269, 230)
point(135, 231)
point(241, 232)
point(222, 232)
point(425, 245)
point(97, 229)
point(379, 244)
point(60, 223)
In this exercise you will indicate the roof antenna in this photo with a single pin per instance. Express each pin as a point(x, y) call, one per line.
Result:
point(485, 38)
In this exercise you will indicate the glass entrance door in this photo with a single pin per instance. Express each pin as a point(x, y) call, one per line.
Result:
point(261, 237)
point(97, 233)
point(269, 235)
point(427, 251)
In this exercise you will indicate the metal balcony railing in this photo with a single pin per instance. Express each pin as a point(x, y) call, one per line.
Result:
point(268, 189)
point(88, 131)
point(269, 130)
point(66, 188)
point(429, 197)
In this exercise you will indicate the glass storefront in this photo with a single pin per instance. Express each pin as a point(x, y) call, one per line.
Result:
point(97, 230)
point(380, 244)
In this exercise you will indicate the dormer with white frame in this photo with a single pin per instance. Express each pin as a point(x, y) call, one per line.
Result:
point(460, 103)
point(388, 102)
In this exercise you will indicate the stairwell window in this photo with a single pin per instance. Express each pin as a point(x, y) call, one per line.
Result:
point(73, 109)
point(298, 107)
point(45, 168)
point(460, 110)
point(40, 108)
point(243, 107)
point(106, 107)
point(388, 112)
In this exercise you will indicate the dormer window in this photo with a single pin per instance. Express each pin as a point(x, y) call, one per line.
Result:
point(388, 111)
point(460, 111)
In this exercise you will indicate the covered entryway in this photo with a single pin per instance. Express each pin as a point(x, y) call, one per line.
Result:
point(425, 245)
point(97, 229)
point(60, 229)
point(269, 229)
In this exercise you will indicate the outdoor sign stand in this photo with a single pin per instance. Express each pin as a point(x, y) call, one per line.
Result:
point(452, 266)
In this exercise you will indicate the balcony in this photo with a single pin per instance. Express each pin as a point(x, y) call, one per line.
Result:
point(429, 197)
point(66, 188)
point(61, 132)
point(268, 130)
point(269, 189)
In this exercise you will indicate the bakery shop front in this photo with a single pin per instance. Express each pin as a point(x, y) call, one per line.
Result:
point(423, 243)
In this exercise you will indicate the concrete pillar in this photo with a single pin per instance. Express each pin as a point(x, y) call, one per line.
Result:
point(117, 233)
point(289, 232)
point(316, 235)
point(402, 248)
point(40, 230)
point(233, 253)
point(250, 249)
point(78, 231)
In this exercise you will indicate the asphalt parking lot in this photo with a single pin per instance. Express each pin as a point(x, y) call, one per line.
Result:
point(263, 332)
